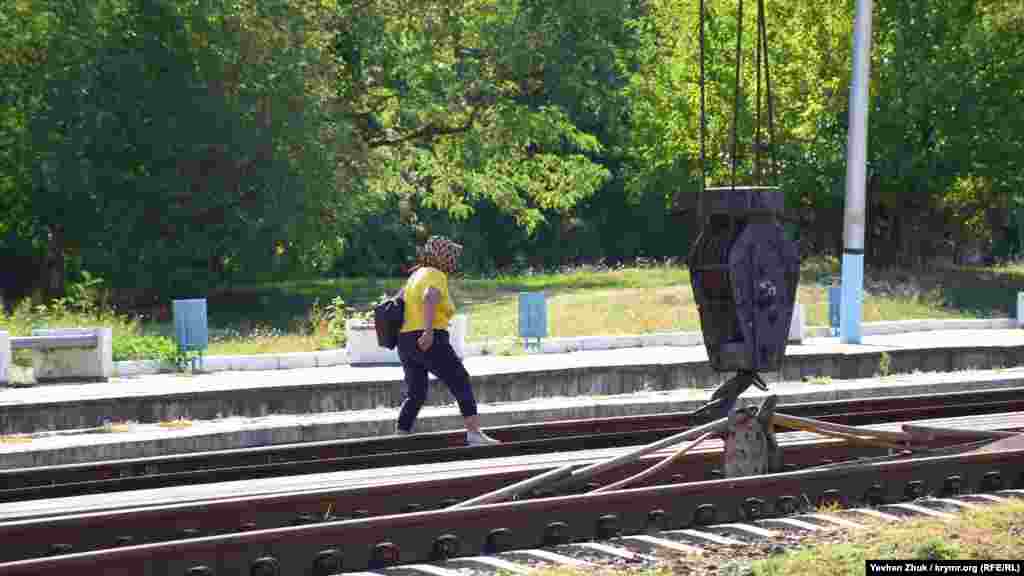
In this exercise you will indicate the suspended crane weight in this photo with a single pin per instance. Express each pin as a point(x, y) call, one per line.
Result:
point(744, 275)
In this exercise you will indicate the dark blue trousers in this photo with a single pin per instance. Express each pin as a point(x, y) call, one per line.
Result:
point(441, 361)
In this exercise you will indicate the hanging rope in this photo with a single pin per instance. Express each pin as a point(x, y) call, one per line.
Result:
point(761, 57)
point(768, 90)
point(736, 100)
point(703, 118)
point(757, 110)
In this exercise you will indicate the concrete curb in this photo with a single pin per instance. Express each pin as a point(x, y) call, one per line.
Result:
point(338, 357)
point(150, 440)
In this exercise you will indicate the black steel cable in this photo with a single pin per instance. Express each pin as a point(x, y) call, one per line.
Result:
point(757, 108)
point(736, 100)
point(703, 118)
point(768, 90)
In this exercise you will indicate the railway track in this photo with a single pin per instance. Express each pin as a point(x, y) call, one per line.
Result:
point(649, 549)
point(308, 458)
point(229, 522)
point(41, 528)
point(433, 536)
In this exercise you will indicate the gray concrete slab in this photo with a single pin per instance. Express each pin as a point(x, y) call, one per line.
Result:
point(496, 380)
point(10, 511)
point(145, 440)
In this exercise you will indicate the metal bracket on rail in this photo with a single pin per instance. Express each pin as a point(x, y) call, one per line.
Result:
point(724, 398)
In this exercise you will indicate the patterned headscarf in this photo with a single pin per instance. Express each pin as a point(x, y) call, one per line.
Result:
point(441, 253)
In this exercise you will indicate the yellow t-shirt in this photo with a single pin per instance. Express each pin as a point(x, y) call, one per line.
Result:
point(416, 290)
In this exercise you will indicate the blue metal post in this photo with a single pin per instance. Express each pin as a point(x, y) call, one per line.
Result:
point(856, 163)
point(190, 326)
point(835, 298)
point(533, 317)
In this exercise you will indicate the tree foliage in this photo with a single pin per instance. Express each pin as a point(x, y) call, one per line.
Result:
point(176, 145)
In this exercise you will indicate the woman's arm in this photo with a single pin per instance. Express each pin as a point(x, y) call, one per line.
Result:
point(430, 302)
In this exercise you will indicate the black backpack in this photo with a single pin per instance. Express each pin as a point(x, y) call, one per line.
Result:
point(388, 317)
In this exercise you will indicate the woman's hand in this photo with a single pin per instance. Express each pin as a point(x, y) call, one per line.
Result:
point(426, 340)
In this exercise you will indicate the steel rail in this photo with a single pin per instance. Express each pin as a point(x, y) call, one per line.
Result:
point(370, 543)
point(30, 537)
point(66, 529)
point(269, 461)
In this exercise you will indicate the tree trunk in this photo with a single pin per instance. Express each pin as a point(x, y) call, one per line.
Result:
point(53, 263)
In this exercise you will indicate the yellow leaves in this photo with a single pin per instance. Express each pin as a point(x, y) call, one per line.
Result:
point(967, 199)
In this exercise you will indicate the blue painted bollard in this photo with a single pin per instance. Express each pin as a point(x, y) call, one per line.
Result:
point(533, 317)
point(835, 298)
point(190, 325)
point(1020, 309)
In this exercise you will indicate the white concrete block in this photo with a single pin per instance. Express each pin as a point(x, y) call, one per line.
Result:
point(362, 346)
point(658, 339)
point(556, 346)
point(297, 360)
point(1020, 309)
point(797, 326)
point(624, 342)
point(880, 329)
point(328, 358)
point(691, 339)
point(155, 366)
point(672, 340)
point(928, 325)
point(215, 364)
point(891, 327)
point(255, 362)
point(5, 357)
point(65, 363)
point(125, 368)
point(139, 367)
point(458, 330)
point(105, 338)
point(593, 342)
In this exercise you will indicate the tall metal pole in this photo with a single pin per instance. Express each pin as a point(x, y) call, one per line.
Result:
point(856, 162)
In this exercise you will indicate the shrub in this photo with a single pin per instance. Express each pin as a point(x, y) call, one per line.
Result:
point(327, 323)
point(139, 347)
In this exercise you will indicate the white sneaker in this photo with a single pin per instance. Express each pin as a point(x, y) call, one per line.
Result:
point(479, 439)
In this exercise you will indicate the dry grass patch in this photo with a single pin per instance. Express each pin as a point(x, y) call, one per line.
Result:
point(279, 344)
point(284, 317)
point(596, 312)
point(989, 533)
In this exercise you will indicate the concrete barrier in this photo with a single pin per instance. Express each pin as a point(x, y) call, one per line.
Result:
point(5, 357)
point(362, 348)
point(652, 371)
point(361, 345)
point(339, 357)
point(1020, 309)
point(797, 327)
point(64, 354)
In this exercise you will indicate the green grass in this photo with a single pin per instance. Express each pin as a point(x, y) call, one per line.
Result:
point(989, 533)
point(297, 315)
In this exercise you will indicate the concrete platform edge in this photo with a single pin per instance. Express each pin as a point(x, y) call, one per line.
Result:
point(380, 422)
